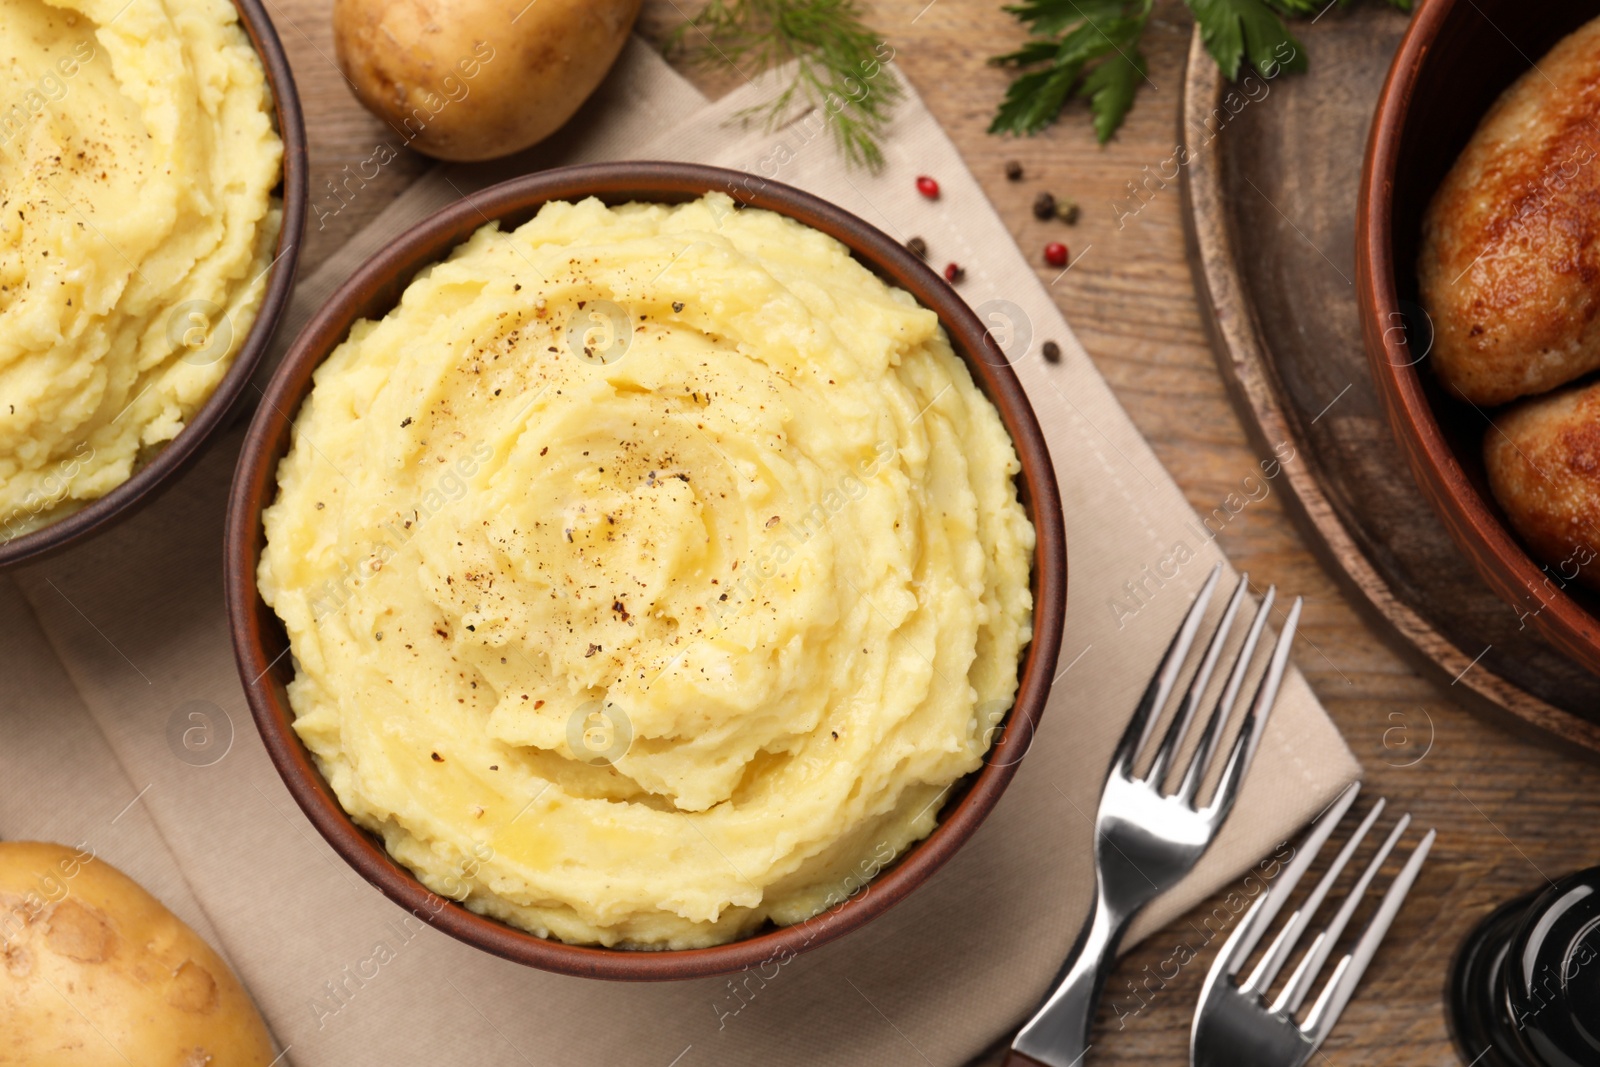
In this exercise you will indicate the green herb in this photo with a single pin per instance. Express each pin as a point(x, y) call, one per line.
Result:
point(1235, 29)
point(839, 62)
point(1078, 47)
point(1090, 49)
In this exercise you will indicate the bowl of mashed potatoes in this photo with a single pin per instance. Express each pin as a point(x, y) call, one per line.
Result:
point(152, 194)
point(660, 579)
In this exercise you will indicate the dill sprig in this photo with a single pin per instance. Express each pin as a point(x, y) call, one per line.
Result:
point(839, 63)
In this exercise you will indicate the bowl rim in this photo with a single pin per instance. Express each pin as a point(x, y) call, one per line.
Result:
point(377, 284)
point(1478, 531)
point(146, 483)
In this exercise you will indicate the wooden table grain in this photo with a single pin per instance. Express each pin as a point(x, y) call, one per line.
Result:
point(1511, 814)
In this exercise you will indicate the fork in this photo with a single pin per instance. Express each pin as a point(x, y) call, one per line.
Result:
point(1233, 1025)
point(1147, 840)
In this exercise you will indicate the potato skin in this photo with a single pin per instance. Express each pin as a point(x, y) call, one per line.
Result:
point(477, 79)
point(81, 943)
point(1510, 263)
point(1544, 469)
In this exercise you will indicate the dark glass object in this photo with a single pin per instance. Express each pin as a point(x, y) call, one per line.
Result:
point(1525, 986)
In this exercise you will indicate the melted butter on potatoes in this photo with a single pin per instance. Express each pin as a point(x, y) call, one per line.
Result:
point(650, 572)
point(137, 163)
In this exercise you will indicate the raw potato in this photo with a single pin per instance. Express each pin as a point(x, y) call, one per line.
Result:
point(477, 79)
point(95, 971)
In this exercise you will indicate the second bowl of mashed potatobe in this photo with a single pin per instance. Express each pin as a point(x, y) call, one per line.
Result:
point(152, 185)
point(654, 573)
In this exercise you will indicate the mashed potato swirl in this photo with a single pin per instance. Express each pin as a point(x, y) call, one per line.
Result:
point(137, 164)
point(650, 572)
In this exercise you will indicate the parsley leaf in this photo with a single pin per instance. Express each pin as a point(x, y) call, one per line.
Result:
point(1110, 88)
point(1090, 49)
point(1235, 29)
point(1050, 18)
point(1033, 100)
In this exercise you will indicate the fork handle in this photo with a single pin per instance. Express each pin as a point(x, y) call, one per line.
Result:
point(1058, 1035)
point(1018, 1059)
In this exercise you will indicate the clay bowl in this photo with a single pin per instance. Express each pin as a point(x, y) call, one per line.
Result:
point(1457, 57)
point(259, 640)
point(148, 481)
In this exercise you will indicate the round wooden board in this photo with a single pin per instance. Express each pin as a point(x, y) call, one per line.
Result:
point(1269, 192)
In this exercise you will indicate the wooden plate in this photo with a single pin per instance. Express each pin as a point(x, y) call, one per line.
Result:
point(1270, 191)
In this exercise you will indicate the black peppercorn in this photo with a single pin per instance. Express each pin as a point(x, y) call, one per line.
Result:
point(1051, 352)
point(1014, 171)
point(918, 247)
point(1044, 207)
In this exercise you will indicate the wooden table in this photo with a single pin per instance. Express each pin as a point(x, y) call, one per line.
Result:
point(1509, 813)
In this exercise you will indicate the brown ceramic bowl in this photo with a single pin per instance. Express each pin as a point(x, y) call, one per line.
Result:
point(1457, 57)
point(259, 640)
point(147, 482)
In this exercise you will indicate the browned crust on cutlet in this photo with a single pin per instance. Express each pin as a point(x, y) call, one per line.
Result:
point(1510, 262)
point(1543, 460)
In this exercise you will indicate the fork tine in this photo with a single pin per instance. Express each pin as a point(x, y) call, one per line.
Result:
point(1201, 759)
point(1342, 986)
point(1266, 909)
point(1168, 749)
point(1295, 928)
point(1255, 720)
point(1300, 982)
point(1166, 676)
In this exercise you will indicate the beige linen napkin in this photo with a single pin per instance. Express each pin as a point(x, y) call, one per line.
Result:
point(345, 977)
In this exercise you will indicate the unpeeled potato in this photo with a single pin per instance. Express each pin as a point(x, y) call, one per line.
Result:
point(477, 79)
point(95, 971)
